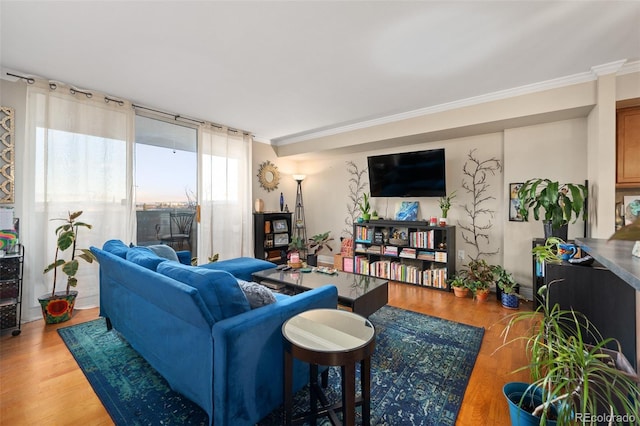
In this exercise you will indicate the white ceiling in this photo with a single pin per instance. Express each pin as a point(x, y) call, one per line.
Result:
point(285, 69)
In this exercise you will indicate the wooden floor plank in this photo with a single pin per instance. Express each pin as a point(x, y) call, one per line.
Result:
point(41, 383)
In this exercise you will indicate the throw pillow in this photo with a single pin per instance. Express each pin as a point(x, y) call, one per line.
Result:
point(116, 247)
point(219, 290)
point(145, 257)
point(257, 294)
point(165, 251)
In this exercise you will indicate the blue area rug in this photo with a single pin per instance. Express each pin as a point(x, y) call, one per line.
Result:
point(420, 371)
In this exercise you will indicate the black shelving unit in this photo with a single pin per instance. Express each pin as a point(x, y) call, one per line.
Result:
point(271, 236)
point(405, 251)
point(11, 270)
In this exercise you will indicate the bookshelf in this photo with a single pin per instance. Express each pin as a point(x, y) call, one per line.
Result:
point(272, 234)
point(405, 251)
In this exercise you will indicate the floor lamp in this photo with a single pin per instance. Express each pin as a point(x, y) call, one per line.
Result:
point(299, 226)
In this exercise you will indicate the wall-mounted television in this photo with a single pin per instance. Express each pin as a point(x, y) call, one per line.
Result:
point(408, 174)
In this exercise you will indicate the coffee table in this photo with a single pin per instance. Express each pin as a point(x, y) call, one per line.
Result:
point(363, 294)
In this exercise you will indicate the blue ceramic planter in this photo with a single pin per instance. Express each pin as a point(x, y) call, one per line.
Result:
point(510, 301)
point(513, 392)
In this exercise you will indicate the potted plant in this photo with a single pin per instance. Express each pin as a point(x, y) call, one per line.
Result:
point(571, 379)
point(365, 207)
point(58, 306)
point(479, 278)
point(459, 285)
point(445, 205)
point(296, 245)
point(548, 252)
point(316, 244)
point(507, 284)
point(559, 202)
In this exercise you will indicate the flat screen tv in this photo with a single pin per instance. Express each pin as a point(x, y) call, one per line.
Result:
point(408, 174)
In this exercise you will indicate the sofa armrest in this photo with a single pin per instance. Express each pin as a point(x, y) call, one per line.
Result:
point(249, 357)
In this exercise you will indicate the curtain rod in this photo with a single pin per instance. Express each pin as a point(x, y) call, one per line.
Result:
point(107, 99)
point(178, 116)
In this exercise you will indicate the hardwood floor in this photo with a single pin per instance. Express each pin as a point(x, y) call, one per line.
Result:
point(40, 382)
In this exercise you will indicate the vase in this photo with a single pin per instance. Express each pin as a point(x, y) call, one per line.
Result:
point(460, 291)
point(550, 231)
point(514, 393)
point(259, 205)
point(59, 307)
point(510, 301)
point(482, 295)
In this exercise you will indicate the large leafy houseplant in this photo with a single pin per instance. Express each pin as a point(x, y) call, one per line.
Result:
point(479, 277)
point(559, 202)
point(317, 243)
point(575, 380)
point(58, 307)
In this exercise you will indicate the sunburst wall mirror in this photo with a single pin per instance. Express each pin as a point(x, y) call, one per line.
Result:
point(268, 176)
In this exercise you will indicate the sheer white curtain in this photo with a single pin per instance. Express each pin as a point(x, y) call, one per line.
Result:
point(224, 193)
point(78, 156)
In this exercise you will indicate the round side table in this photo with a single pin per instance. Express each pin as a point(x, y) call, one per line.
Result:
point(330, 337)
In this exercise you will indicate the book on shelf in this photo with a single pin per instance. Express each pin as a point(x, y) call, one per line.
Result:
point(409, 253)
point(426, 255)
point(391, 250)
point(436, 277)
point(374, 249)
point(363, 233)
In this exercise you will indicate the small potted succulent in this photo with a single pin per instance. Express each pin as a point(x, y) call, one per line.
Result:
point(58, 306)
point(365, 207)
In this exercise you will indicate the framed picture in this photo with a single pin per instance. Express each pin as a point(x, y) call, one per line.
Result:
point(514, 203)
point(408, 211)
point(281, 239)
point(280, 225)
point(631, 208)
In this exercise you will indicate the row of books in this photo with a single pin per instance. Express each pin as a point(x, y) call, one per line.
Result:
point(422, 239)
point(397, 271)
point(363, 233)
point(404, 252)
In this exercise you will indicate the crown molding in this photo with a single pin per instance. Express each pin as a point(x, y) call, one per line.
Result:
point(619, 67)
point(608, 68)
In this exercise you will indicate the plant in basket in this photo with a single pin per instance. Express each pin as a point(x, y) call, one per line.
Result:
point(58, 306)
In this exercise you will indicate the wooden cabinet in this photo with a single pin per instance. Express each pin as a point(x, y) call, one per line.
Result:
point(628, 147)
point(271, 236)
point(404, 251)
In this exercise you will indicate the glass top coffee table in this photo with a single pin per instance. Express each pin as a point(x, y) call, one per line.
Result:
point(362, 293)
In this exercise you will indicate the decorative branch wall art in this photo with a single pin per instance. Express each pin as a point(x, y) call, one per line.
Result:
point(7, 155)
point(475, 232)
point(357, 184)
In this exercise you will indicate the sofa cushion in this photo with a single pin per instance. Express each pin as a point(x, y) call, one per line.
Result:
point(145, 257)
point(219, 290)
point(116, 247)
point(165, 251)
point(257, 294)
point(241, 267)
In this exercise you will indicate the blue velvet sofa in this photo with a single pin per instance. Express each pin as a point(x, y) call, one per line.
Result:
point(195, 327)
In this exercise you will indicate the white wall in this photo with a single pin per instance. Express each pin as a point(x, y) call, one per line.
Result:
point(557, 151)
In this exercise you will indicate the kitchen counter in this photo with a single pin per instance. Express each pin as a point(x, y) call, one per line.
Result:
point(616, 256)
